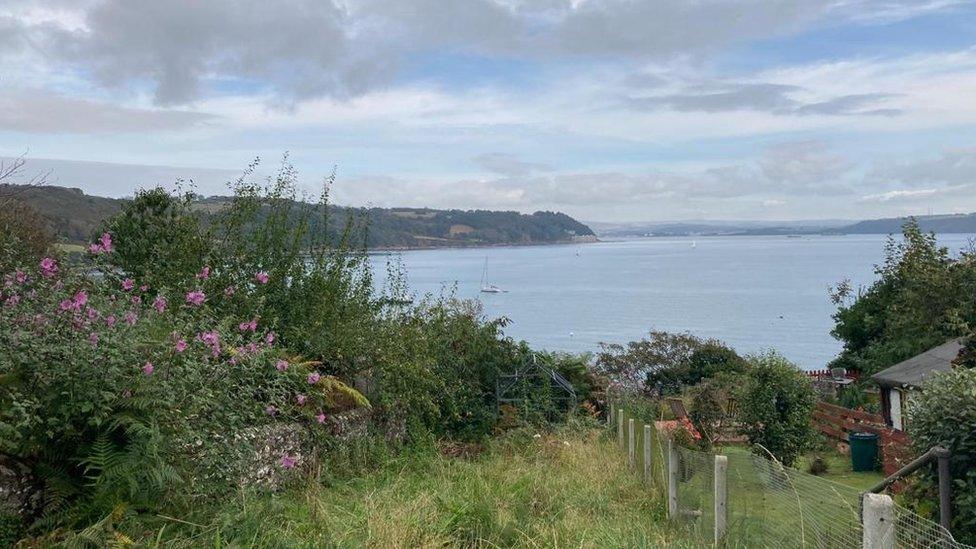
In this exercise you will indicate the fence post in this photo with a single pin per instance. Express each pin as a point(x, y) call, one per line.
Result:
point(647, 453)
point(672, 480)
point(631, 444)
point(620, 427)
point(721, 495)
point(877, 521)
point(610, 415)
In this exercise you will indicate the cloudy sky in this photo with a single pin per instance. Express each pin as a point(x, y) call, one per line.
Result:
point(610, 110)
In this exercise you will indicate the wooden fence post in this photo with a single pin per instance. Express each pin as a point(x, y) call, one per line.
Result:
point(721, 495)
point(610, 416)
point(647, 453)
point(631, 444)
point(620, 427)
point(673, 479)
point(878, 521)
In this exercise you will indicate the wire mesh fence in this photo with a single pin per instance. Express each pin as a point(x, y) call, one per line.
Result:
point(765, 503)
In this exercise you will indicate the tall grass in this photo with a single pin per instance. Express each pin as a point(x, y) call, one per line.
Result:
point(568, 489)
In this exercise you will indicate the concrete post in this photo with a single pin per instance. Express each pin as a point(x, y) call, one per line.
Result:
point(721, 497)
point(620, 427)
point(673, 478)
point(631, 444)
point(647, 454)
point(878, 521)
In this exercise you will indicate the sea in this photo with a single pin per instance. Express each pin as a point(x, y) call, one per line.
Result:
point(752, 292)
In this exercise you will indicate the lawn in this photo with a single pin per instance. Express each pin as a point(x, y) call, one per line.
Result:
point(570, 489)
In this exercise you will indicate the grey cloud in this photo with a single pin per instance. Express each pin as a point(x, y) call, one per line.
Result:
point(508, 164)
point(805, 167)
point(952, 167)
point(849, 104)
point(762, 97)
point(186, 49)
point(37, 111)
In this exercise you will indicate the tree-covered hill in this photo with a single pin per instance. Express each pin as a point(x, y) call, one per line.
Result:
point(74, 217)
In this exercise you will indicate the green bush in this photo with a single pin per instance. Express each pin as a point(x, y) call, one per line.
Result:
point(776, 405)
point(944, 414)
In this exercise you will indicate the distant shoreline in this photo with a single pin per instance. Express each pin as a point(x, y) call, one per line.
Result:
point(461, 245)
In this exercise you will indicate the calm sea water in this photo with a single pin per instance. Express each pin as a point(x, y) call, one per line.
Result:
point(752, 292)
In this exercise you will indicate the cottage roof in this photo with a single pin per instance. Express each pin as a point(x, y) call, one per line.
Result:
point(914, 371)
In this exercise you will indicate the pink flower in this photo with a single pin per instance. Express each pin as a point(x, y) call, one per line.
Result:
point(248, 326)
point(106, 242)
point(180, 345)
point(320, 418)
point(91, 313)
point(49, 267)
point(262, 277)
point(271, 410)
point(300, 399)
point(313, 378)
point(20, 277)
point(128, 284)
point(196, 298)
point(12, 300)
point(131, 318)
point(80, 299)
point(270, 338)
point(159, 303)
point(136, 300)
point(93, 337)
point(281, 365)
point(212, 340)
point(144, 287)
point(148, 368)
point(66, 305)
point(288, 462)
point(204, 273)
point(229, 291)
point(110, 320)
point(95, 249)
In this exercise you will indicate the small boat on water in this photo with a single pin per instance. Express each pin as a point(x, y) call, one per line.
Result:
point(694, 244)
point(485, 286)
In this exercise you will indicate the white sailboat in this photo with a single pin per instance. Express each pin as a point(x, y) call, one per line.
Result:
point(485, 286)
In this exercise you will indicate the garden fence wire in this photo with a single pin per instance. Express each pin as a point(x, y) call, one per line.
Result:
point(767, 504)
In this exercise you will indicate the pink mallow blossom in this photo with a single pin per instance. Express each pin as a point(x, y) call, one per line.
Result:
point(180, 345)
point(159, 303)
point(13, 300)
point(288, 462)
point(313, 378)
point(229, 291)
point(212, 340)
point(300, 399)
point(106, 242)
point(204, 273)
point(128, 284)
point(110, 320)
point(196, 298)
point(136, 300)
point(271, 410)
point(270, 338)
point(93, 337)
point(281, 365)
point(131, 318)
point(49, 267)
point(251, 326)
point(320, 418)
point(148, 368)
point(262, 277)
point(20, 277)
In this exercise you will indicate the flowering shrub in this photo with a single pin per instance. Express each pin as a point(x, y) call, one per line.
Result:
point(122, 391)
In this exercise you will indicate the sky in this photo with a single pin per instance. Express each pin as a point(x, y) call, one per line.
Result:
point(608, 110)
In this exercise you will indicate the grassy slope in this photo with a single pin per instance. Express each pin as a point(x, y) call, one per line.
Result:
point(552, 491)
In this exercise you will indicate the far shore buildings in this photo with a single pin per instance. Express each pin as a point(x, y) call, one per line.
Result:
point(899, 382)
